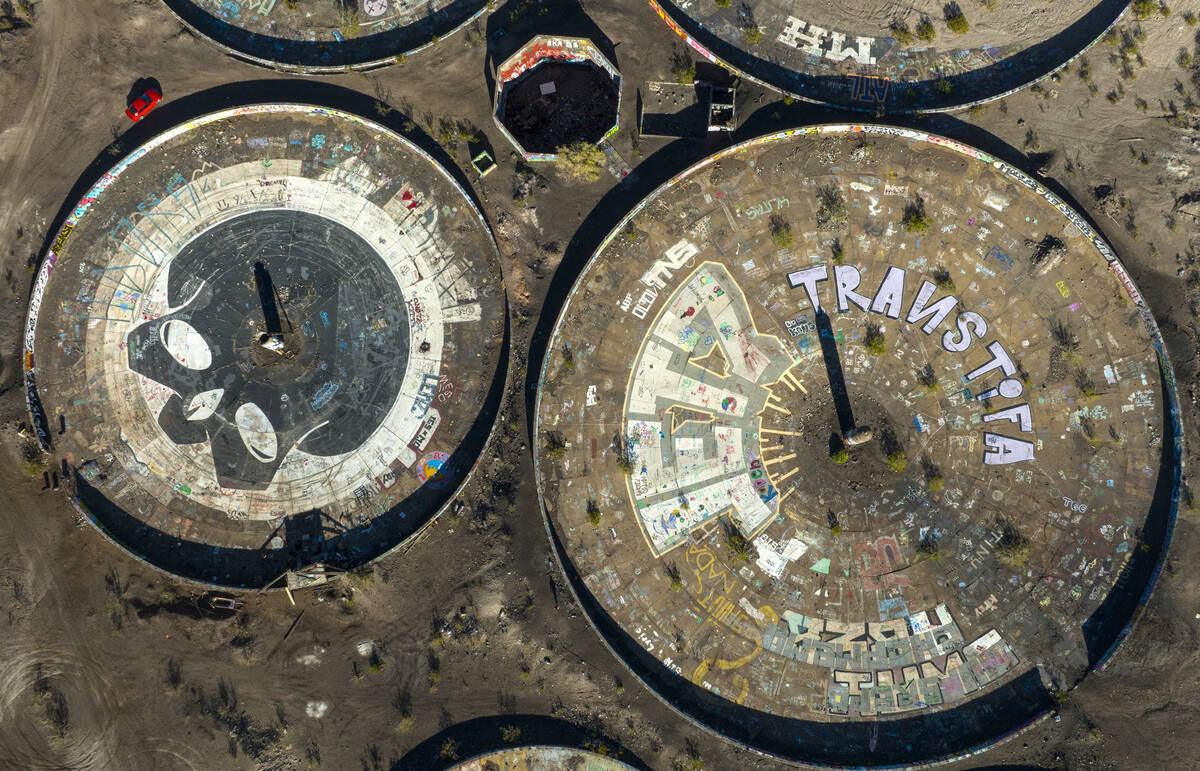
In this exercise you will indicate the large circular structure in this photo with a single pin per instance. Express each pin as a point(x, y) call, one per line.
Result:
point(272, 336)
point(324, 36)
point(888, 57)
point(855, 443)
point(541, 758)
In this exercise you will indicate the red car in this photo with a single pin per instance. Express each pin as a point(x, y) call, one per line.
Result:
point(143, 104)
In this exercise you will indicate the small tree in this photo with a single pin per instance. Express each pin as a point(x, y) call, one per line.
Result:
point(901, 33)
point(928, 379)
point(915, 219)
point(684, 73)
point(928, 547)
point(897, 461)
point(739, 547)
point(593, 513)
point(839, 456)
point(955, 19)
point(349, 22)
point(874, 341)
point(1013, 548)
point(926, 30)
point(673, 576)
point(623, 450)
point(781, 232)
point(1143, 9)
point(1065, 339)
point(943, 279)
point(832, 210)
point(838, 251)
point(581, 160)
point(553, 447)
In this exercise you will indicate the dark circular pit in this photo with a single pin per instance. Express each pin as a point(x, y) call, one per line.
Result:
point(581, 108)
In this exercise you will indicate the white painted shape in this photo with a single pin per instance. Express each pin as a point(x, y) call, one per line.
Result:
point(1006, 450)
point(986, 640)
point(204, 404)
point(769, 561)
point(186, 344)
point(794, 549)
point(257, 432)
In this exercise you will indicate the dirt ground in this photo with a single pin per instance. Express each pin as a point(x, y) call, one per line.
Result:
point(435, 653)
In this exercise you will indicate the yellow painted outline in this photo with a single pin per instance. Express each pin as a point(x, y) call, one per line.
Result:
point(718, 347)
point(676, 426)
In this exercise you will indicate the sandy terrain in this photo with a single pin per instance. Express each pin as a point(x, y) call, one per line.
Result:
point(107, 664)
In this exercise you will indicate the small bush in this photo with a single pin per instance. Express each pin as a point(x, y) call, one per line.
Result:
point(928, 379)
point(672, 571)
point(839, 456)
point(349, 23)
point(901, 33)
point(915, 220)
point(943, 279)
point(581, 160)
point(781, 232)
point(832, 209)
point(956, 21)
point(553, 447)
point(835, 529)
point(739, 547)
point(1013, 548)
point(928, 548)
point(1142, 9)
point(874, 341)
point(685, 74)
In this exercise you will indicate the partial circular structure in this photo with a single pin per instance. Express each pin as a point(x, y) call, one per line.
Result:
point(270, 337)
point(855, 442)
point(324, 36)
point(541, 758)
point(889, 57)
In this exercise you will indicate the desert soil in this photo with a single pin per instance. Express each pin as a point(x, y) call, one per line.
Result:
point(105, 663)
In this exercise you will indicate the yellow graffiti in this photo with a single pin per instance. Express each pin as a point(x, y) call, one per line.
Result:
point(724, 665)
